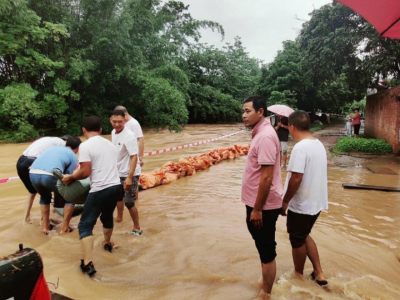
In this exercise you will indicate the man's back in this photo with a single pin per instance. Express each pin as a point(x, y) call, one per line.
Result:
point(283, 133)
point(309, 158)
point(103, 157)
point(60, 157)
point(42, 144)
point(134, 126)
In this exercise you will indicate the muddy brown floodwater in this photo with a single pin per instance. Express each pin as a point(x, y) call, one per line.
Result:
point(195, 243)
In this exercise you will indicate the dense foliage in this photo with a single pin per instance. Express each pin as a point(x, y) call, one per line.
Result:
point(349, 144)
point(60, 61)
point(336, 57)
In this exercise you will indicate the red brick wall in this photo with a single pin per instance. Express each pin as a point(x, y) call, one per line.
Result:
point(382, 117)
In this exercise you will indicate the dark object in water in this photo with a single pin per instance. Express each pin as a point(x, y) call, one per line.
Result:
point(369, 187)
point(21, 276)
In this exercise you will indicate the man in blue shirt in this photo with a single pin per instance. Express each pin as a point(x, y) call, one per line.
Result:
point(41, 176)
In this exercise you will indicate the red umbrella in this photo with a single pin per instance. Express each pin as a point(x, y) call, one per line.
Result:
point(384, 15)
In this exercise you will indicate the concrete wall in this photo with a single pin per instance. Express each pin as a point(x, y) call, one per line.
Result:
point(382, 117)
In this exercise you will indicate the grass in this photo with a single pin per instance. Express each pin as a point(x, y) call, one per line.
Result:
point(366, 145)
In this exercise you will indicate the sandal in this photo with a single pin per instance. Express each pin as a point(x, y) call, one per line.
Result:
point(319, 282)
point(136, 232)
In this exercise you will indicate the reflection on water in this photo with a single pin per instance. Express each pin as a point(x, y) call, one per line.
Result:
point(196, 245)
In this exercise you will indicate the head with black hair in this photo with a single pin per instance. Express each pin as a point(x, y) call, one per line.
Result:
point(117, 120)
point(300, 120)
point(73, 142)
point(92, 123)
point(254, 110)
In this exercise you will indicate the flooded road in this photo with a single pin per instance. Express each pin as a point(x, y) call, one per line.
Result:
point(195, 243)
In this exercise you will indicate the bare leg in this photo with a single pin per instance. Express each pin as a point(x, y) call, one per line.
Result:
point(107, 232)
point(299, 259)
point(68, 211)
point(268, 274)
point(312, 253)
point(135, 217)
point(28, 207)
point(120, 211)
point(87, 247)
point(45, 209)
point(284, 158)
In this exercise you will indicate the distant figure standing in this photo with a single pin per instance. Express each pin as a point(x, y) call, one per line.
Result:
point(282, 129)
point(348, 126)
point(98, 159)
point(356, 122)
point(262, 187)
point(133, 125)
point(26, 160)
point(128, 164)
point(306, 194)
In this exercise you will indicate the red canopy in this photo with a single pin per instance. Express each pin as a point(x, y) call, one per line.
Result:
point(384, 15)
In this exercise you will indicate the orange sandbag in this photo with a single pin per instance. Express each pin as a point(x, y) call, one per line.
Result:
point(197, 163)
point(239, 150)
point(185, 164)
point(151, 179)
point(215, 155)
point(207, 159)
point(171, 177)
point(224, 153)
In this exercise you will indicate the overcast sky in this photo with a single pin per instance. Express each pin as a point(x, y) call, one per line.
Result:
point(262, 24)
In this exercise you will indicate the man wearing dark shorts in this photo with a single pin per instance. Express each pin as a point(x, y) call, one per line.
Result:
point(306, 194)
point(127, 148)
point(262, 187)
point(98, 159)
point(26, 160)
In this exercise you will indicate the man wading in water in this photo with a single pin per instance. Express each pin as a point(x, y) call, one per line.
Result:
point(262, 187)
point(98, 159)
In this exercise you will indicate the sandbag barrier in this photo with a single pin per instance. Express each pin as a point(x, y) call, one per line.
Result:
point(172, 171)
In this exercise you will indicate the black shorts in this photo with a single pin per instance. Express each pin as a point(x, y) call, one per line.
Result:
point(357, 128)
point(299, 227)
point(264, 237)
point(23, 165)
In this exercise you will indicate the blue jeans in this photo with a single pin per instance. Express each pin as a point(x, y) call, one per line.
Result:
point(101, 203)
point(45, 185)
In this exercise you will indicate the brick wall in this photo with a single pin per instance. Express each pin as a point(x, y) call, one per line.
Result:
point(382, 117)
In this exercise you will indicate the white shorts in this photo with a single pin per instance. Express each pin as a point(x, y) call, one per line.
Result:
point(284, 147)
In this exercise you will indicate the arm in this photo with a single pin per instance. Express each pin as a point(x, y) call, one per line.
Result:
point(132, 168)
point(293, 186)
point(267, 174)
point(84, 171)
point(141, 149)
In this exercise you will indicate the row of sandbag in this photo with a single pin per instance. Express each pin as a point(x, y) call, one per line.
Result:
point(171, 171)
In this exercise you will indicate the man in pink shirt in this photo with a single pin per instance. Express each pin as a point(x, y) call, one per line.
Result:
point(262, 186)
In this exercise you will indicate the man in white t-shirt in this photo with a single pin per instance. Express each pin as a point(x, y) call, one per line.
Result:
point(133, 125)
point(305, 193)
point(128, 165)
point(26, 160)
point(98, 159)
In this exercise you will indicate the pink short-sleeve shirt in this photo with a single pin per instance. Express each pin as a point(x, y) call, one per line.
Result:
point(264, 150)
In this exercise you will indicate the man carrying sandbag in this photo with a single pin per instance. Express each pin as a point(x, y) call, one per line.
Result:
point(41, 175)
point(26, 160)
point(126, 144)
point(98, 159)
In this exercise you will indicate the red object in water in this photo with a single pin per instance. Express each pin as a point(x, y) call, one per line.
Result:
point(384, 15)
point(41, 290)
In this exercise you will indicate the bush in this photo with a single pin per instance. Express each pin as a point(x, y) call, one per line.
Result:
point(349, 144)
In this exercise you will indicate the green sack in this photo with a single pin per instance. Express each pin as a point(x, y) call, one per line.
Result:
point(76, 192)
